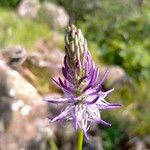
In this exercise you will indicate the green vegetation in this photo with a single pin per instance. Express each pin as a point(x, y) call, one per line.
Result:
point(16, 30)
point(9, 3)
point(129, 121)
point(122, 38)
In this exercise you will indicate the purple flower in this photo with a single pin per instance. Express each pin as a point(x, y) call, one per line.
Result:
point(83, 95)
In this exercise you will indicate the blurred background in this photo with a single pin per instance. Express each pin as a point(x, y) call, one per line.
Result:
point(32, 51)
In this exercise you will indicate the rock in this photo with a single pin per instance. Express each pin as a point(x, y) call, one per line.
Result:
point(56, 40)
point(147, 140)
point(48, 63)
point(68, 133)
point(5, 87)
point(95, 143)
point(138, 143)
point(23, 114)
point(11, 79)
point(47, 56)
point(117, 77)
point(14, 56)
point(55, 16)
point(95, 139)
point(29, 8)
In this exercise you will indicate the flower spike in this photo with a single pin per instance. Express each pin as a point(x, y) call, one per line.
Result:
point(83, 95)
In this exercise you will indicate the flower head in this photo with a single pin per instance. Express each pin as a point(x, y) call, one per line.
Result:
point(83, 95)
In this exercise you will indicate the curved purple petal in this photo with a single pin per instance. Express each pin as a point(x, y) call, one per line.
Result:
point(63, 115)
point(93, 101)
point(86, 88)
point(64, 86)
point(102, 95)
point(103, 77)
point(108, 106)
point(57, 100)
point(103, 122)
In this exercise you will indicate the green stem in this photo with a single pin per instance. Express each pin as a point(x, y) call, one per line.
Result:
point(80, 139)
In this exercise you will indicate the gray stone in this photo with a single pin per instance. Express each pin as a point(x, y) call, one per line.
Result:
point(14, 56)
point(29, 8)
point(22, 115)
point(47, 56)
point(55, 16)
point(95, 143)
point(117, 77)
point(147, 140)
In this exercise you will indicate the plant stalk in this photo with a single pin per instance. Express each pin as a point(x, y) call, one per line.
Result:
point(80, 139)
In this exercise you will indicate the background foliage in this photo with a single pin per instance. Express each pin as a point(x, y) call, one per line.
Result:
point(9, 3)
